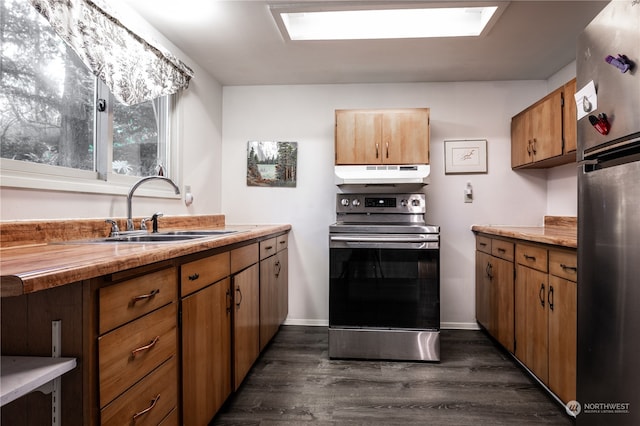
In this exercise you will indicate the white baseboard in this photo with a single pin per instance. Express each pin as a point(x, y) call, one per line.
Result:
point(325, 323)
point(459, 326)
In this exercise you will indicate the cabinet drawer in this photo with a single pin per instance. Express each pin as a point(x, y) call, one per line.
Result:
point(532, 256)
point(282, 242)
point(268, 248)
point(563, 264)
point(128, 300)
point(244, 257)
point(148, 402)
point(502, 249)
point(200, 273)
point(483, 244)
point(128, 353)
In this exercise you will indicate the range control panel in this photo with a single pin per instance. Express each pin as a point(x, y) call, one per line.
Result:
point(381, 203)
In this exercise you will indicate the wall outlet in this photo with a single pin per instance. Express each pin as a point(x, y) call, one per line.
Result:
point(468, 193)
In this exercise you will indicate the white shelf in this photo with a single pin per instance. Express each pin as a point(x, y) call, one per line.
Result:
point(20, 375)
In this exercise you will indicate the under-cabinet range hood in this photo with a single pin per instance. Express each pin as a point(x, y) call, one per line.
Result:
point(382, 174)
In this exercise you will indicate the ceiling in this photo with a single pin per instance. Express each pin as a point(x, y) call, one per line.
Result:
point(239, 43)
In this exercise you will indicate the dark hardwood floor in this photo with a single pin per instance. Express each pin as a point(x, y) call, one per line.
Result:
point(476, 383)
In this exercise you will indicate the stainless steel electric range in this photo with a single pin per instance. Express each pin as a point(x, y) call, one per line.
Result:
point(384, 290)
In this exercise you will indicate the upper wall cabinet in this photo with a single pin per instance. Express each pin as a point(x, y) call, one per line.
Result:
point(544, 135)
point(394, 136)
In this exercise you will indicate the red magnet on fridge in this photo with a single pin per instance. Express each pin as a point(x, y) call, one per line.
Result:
point(600, 123)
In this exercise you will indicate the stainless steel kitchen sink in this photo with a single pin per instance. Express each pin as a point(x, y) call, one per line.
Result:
point(160, 237)
point(207, 232)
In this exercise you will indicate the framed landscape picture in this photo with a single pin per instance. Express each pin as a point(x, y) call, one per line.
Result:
point(272, 163)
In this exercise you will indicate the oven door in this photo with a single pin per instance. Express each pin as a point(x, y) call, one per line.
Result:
point(386, 281)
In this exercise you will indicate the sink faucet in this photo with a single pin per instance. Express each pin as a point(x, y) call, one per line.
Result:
point(135, 186)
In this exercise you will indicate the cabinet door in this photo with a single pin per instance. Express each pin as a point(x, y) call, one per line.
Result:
point(268, 300)
point(531, 320)
point(502, 301)
point(246, 321)
point(282, 277)
point(206, 352)
point(562, 299)
point(358, 137)
point(546, 127)
point(405, 137)
point(520, 142)
point(569, 117)
point(483, 290)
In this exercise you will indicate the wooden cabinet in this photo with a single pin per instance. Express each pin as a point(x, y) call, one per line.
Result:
point(137, 347)
point(563, 299)
point(494, 288)
point(397, 136)
point(274, 293)
point(206, 337)
point(546, 316)
point(544, 135)
point(246, 321)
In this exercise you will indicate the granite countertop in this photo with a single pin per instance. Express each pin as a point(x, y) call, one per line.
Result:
point(34, 267)
point(557, 230)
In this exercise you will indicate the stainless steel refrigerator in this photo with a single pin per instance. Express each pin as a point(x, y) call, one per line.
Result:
point(608, 364)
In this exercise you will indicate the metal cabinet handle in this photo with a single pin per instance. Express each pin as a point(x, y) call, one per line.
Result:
point(194, 277)
point(489, 270)
point(550, 297)
point(527, 257)
point(376, 150)
point(154, 401)
point(145, 347)
point(278, 267)
point(501, 250)
point(268, 247)
point(541, 294)
point(483, 244)
point(529, 147)
point(387, 149)
point(240, 294)
point(534, 146)
point(147, 296)
point(568, 268)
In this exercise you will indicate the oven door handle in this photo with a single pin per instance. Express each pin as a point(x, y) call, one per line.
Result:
point(384, 238)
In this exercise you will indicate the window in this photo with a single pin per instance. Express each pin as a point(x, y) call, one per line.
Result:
point(54, 123)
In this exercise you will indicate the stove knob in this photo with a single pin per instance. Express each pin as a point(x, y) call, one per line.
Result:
point(415, 202)
point(404, 203)
point(344, 202)
point(355, 202)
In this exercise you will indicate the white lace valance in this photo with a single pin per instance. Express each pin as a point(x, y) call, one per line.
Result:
point(134, 69)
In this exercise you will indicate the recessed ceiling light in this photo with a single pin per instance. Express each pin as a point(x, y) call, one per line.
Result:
point(383, 23)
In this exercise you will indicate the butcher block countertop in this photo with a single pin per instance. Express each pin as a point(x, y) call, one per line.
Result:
point(34, 256)
point(557, 230)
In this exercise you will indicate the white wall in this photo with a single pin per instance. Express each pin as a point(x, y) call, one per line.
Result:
point(306, 114)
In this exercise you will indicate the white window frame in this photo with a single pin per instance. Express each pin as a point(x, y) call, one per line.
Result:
point(27, 175)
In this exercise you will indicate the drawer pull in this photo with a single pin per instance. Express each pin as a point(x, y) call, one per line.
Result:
point(145, 347)
point(527, 257)
point(268, 247)
point(283, 242)
point(501, 250)
point(154, 401)
point(568, 268)
point(145, 296)
point(483, 244)
point(194, 277)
